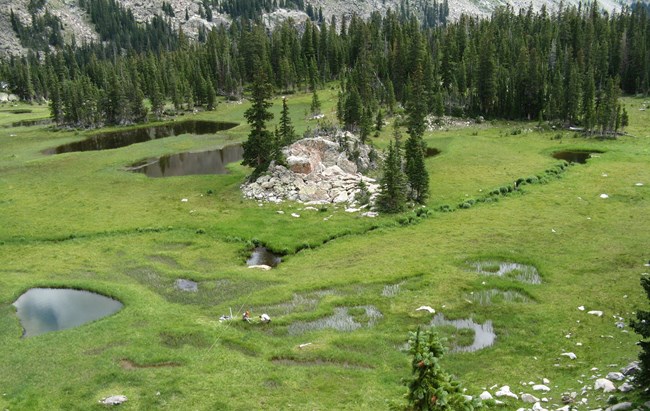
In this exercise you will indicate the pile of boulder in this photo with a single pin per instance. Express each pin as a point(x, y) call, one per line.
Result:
point(323, 169)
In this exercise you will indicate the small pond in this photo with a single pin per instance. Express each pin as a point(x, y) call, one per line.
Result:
point(494, 295)
point(344, 319)
point(185, 164)
point(122, 138)
point(43, 310)
point(519, 272)
point(262, 256)
point(575, 156)
point(484, 335)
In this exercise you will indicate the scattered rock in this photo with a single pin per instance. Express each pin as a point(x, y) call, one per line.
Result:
point(626, 387)
point(570, 355)
point(616, 376)
point(295, 215)
point(631, 368)
point(581, 308)
point(597, 313)
point(485, 396)
point(541, 387)
point(604, 196)
point(505, 392)
point(621, 406)
point(114, 400)
point(426, 308)
point(605, 385)
point(261, 267)
point(184, 200)
point(538, 407)
point(529, 398)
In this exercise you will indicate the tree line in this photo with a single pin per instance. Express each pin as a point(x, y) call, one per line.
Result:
point(567, 66)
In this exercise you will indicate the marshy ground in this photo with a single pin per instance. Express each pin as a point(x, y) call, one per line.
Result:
point(344, 297)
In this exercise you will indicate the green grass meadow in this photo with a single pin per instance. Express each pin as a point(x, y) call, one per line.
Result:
point(79, 220)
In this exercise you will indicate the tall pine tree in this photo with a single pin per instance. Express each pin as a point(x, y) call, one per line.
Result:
point(259, 146)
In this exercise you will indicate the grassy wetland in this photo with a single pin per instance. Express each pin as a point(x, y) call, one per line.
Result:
point(344, 297)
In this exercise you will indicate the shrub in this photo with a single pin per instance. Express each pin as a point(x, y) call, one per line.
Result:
point(423, 212)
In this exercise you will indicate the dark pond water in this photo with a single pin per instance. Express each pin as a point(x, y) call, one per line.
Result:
point(185, 164)
point(42, 310)
point(262, 256)
point(576, 156)
point(431, 152)
point(116, 139)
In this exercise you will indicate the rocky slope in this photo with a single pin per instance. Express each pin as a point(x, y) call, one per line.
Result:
point(76, 23)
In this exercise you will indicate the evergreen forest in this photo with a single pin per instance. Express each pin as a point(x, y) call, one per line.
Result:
point(569, 66)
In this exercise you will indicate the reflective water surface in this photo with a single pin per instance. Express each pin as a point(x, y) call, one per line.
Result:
point(42, 310)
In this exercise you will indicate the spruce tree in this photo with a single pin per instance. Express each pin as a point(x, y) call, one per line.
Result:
point(259, 146)
point(431, 388)
point(393, 185)
point(415, 147)
point(286, 130)
point(315, 104)
point(353, 110)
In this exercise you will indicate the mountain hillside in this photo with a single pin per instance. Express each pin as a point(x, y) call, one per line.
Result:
point(192, 16)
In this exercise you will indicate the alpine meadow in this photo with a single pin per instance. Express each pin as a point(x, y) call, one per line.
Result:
point(274, 205)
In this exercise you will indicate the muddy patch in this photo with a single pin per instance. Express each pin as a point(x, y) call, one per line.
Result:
point(127, 364)
point(520, 272)
point(209, 292)
point(484, 335)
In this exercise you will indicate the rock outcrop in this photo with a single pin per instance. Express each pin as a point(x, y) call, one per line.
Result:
point(322, 169)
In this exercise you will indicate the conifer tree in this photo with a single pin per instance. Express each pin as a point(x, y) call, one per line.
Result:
point(286, 130)
point(315, 104)
point(353, 110)
point(393, 185)
point(415, 147)
point(431, 388)
point(259, 146)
